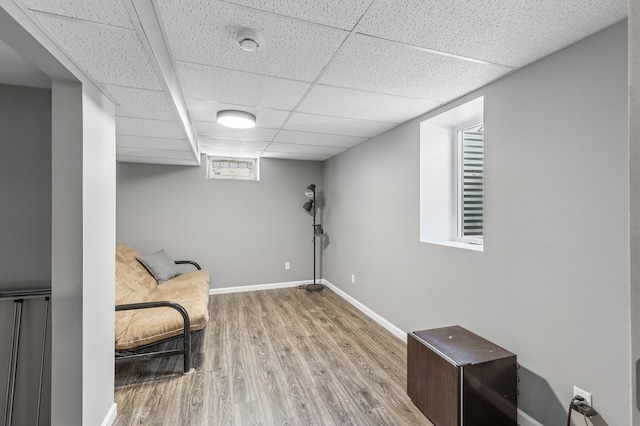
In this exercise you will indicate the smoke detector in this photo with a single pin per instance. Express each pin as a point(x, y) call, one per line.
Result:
point(248, 39)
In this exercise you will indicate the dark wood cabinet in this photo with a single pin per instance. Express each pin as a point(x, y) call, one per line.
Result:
point(457, 378)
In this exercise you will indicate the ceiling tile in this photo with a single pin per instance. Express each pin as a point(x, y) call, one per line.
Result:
point(303, 149)
point(111, 12)
point(145, 127)
point(229, 152)
point(514, 32)
point(336, 125)
point(340, 102)
point(207, 110)
point(379, 66)
point(150, 143)
point(155, 153)
point(203, 32)
point(155, 160)
point(17, 71)
point(236, 87)
point(293, 156)
point(141, 103)
point(218, 131)
point(228, 144)
point(290, 136)
point(331, 13)
point(111, 55)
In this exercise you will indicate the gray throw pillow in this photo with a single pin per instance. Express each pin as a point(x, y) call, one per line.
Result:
point(159, 265)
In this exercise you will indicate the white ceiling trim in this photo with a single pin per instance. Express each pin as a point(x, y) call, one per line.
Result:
point(75, 19)
point(149, 28)
point(436, 52)
point(280, 16)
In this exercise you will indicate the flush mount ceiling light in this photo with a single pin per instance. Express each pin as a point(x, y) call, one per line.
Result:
point(236, 119)
point(248, 39)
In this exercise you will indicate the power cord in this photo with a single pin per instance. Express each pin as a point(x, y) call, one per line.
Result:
point(575, 401)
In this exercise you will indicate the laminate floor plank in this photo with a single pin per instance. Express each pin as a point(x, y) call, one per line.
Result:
point(275, 357)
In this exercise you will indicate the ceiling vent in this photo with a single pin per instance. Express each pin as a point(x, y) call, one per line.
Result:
point(248, 39)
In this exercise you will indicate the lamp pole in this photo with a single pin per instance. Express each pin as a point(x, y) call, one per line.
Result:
point(314, 238)
point(311, 193)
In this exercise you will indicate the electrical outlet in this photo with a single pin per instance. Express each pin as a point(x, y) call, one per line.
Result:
point(287, 265)
point(353, 279)
point(586, 395)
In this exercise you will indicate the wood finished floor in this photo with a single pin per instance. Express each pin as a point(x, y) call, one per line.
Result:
point(275, 357)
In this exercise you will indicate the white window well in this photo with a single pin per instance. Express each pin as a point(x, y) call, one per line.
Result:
point(232, 168)
point(452, 177)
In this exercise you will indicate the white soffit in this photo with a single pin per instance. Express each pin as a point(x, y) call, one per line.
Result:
point(514, 32)
point(203, 32)
point(337, 14)
point(17, 71)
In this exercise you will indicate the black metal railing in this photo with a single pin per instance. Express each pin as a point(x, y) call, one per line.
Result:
point(19, 297)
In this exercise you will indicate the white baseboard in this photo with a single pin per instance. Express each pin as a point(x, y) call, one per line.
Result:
point(377, 318)
point(402, 335)
point(256, 287)
point(523, 418)
point(526, 420)
point(111, 415)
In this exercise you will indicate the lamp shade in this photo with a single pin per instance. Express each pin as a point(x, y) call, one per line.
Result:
point(310, 191)
point(236, 119)
point(308, 205)
point(317, 230)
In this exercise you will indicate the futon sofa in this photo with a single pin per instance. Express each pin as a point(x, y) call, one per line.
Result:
point(148, 313)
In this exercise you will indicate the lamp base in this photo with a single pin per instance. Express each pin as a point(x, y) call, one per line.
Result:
point(314, 287)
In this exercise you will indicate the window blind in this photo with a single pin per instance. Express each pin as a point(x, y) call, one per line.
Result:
point(472, 164)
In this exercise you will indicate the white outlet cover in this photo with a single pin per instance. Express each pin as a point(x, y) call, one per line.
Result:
point(586, 395)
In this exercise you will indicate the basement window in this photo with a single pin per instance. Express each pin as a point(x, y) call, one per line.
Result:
point(470, 183)
point(452, 177)
point(232, 168)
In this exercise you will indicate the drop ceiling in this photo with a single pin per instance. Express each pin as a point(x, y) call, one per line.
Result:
point(328, 74)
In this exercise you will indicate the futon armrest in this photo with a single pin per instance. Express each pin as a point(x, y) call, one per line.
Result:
point(182, 262)
point(159, 304)
point(186, 350)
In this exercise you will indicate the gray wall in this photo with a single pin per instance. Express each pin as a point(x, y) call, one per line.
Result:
point(552, 283)
point(25, 187)
point(634, 139)
point(241, 231)
point(25, 239)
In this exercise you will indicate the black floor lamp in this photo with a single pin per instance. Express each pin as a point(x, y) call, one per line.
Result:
point(310, 207)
